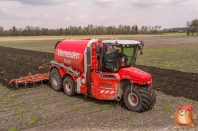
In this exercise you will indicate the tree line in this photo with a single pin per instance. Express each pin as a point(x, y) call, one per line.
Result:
point(192, 27)
point(73, 30)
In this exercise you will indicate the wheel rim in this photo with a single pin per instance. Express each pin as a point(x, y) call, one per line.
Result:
point(68, 87)
point(133, 99)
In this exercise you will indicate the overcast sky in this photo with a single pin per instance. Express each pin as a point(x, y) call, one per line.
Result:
point(64, 13)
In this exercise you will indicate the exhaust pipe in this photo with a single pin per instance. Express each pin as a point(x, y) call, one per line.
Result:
point(88, 70)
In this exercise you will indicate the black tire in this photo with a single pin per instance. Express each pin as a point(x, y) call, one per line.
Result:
point(144, 98)
point(69, 86)
point(153, 97)
point(56, 81)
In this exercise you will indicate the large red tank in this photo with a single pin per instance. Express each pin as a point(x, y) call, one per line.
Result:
point(71, 53)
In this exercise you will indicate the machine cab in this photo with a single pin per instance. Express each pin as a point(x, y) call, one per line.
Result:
point(116, 54)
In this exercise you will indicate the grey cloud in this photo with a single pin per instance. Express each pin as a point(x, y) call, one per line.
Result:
point(108, 12)
point(5, 15)
point(36, 2)
point(104, 2)
point(2, 14)
point(151, 3)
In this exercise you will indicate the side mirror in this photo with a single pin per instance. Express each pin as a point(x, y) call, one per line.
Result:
point(98, 49)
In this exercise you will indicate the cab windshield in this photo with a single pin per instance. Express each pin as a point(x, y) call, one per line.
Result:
point(117, 56)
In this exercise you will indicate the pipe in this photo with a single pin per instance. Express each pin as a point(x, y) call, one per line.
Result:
point(67, 68)
point(88, 69)
point(87, 64)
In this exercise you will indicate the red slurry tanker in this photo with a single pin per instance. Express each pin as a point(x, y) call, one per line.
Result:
point(104, 70)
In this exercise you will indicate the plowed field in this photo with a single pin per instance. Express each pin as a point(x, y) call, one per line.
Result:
point(41, 108)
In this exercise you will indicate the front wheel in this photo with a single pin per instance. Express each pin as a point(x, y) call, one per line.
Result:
point(140, 99)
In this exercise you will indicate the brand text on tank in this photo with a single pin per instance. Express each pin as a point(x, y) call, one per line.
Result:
point(68, 54)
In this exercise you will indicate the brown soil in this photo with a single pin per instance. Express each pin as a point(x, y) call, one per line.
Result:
point(41, 108)
point(175, 83)
point(17, 62)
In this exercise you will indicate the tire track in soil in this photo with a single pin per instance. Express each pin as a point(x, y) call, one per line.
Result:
point(96, 116)
point(44, 114)
point(82, 119)
point(50, 105)
point(102, 119)
point(33, 97)
point(35, 100)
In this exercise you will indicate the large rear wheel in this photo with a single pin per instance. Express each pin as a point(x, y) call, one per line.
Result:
point(69, 86)
point(140, 99)
point(56, 81)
